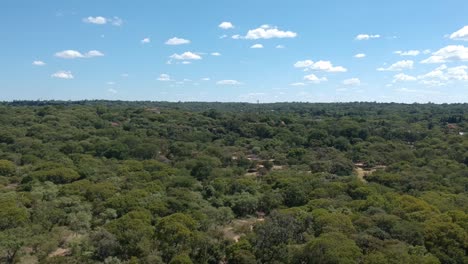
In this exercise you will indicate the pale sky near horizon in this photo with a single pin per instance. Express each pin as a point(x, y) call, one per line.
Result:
point(271, 51)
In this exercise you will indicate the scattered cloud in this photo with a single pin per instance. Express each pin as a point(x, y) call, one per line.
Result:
point(237, 36)
point(352, 82)
point(367, 37)
point(99, 20)
point(321, 65)
point(124, 75)
point(215, 54)
point(444, 73)
point(205, 79)
point(145, 40)
point(360, 55)
point(93, 53)
point(177, 41)
point(314, 79)
point(38, 63)
point(63, 75)
point(73, 54)
point(399, 66)
point(401, 77)
point(223, 36)
point(267, 32)
point(186, 56)
point(298, 84)
point(112, 91)
point(228, 82)
point(408, 52)
point(449, 53)
point(226, 25)
point(164, 77)
point(461, 34)
point(280, 47)
point(110, 83)
point(186, 62)
point(257, 46)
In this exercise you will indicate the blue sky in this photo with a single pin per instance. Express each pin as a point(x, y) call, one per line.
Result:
point(271, 51)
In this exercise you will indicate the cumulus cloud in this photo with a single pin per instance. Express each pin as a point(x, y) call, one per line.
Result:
point(297, 84)
point(99, 20)
point(444, 73)
point(401, 77)
point(280, 47)
point(73, 54)
point(177, 41)
point(352, 82)
point(408, 52)
point(186, 56)
point(112, 91)
point(314, 79)
point(257, 46)
point(268, 32)
point(164, 77)
point(93, 53)
point(237, 36)
point(226, 25)
point(228, 82)
point(367, 36)
point(63, 75)
point(360, 55)
point(215, 54)
point(321, 65)
point(38, 63)
point(145, 40)
point(449, 53)
point(399, 66)
point(461, 34)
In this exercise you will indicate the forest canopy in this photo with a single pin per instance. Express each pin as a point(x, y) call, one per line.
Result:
point(157, 182)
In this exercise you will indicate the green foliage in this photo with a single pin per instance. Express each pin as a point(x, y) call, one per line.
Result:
point(156, 182)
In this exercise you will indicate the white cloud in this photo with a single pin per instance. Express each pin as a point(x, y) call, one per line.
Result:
point(268, 32)
point(399, 66)
point(303, 64)
point(223, 36)
point(226, 25)
point(124, 75)
point(110, 83)
point(461, 34)
point(164, 77)
point(401, 77)
point(177, 41)
point(186, 56)
point(99, 20)
point(319, 66)
point(237, 36)
point(298, 84)
point(314, 79)
point(63, 75)
point(366, 37)
point(215, 54)
point(111, 90)
point(426, 51)
point(449, 53)
point(205, 79)
point(93, 53)
point(360, 55)
point(408, 52)
point(38, 63)
point(280, 47)
point(352, 82)
point(69, 54)
point(444, 73)
point(186, 62)
point(228, 82)
point(145, 40)
point(73, 54)
point(116, 21)
point(257, 46)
